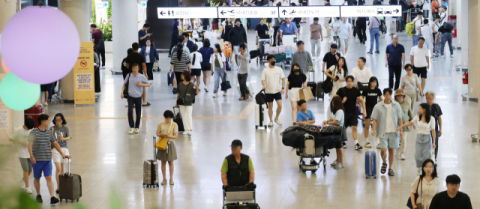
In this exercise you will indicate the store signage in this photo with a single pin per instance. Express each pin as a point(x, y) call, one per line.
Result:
point(369, 11)
point(310, 11)
point(186, 12)
point(247, 12)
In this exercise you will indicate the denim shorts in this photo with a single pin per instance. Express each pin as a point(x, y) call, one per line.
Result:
point(389, 140)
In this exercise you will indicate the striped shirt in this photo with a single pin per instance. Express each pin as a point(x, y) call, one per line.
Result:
point(180, 65)
point(41, 144)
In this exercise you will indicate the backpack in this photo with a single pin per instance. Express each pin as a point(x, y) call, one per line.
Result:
point(227, 49)
point(448, 26)
point(410, 28)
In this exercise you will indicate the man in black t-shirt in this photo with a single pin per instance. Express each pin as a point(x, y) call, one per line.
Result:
point(331, 58)
point(136, 58)
point(452, 198)
point(350, 95)
point(262, 30)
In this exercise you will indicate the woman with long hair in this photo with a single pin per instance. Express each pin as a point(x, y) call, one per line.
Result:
point(206, 52)
point(426, 186)
point(180, 62)
point(196, 58)
point(62, 134)
point(296, 81)
point(227, 26)
point(337, 119)
point(425, 124)
point(371, 96)
point(219, 69)
point(338, 73)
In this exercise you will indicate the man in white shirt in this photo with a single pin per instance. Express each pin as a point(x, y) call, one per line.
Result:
point(418, 23)
point(345, 32)
point(273, 91)
point(20, 138)
point(427, 33)
point(361, 74)
point(420, 61)
point(387, 117)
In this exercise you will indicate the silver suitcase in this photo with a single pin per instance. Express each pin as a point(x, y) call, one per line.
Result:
point(150, 170)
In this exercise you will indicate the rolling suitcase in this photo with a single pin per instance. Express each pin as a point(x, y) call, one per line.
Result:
point(150, 169)
point(261, 110)
point(70, 185)
point(178, 119)
point(34, 112)
point(312, 85)
point(371, 162)
point(320, 91)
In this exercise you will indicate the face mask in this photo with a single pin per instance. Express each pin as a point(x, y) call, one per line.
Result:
point(272, 63)
point(296, 71)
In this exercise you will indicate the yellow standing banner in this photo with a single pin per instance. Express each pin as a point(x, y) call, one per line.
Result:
point(83, 73)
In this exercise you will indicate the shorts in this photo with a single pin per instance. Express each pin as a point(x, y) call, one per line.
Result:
point(206, 66)
point(57, 157)
point(369, 112)
point(351, 119)
point(343, 44)
point(26, 164)
point(271, 97)
point(389, 140)
point(215, 26)
point(429, 43)
point(45, 87)
point(420, 71)
point(295, 94)
point(235, 49)
point(196, 72)
point(42, 166)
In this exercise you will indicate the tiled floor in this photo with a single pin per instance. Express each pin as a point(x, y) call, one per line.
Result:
point(109, 159)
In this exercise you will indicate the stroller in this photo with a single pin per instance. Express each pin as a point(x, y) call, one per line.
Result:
point(241, 198)
point(310, 151)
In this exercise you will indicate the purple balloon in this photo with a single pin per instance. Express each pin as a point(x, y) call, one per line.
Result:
point(40, 44)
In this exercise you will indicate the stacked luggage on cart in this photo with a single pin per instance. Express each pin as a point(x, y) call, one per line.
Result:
point(312, 142)
point(283, 55)
point(264, 48)
point(240, 197)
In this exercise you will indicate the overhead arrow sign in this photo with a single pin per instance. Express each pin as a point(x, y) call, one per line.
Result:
point(222, 12)
point(161, 13)
point(186, 12)
point(310, 11)
point(284, 12)
point(370, 11)
point(396, 11)
point(231, 11)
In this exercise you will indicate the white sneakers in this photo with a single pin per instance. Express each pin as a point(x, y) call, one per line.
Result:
point(28, 190)
point(137, 131)
point(189, 133)
point(402, 156)
point(185, 132)
point(451, 56)
point(45, 104)
point(270, 124)
point(225, 94)
point(134, 130)
point(278, 122)
point(215, 95)
point(131, 131)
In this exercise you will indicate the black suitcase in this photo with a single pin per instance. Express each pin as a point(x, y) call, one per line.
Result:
point(177, 118)
point(320, 91)
point(70, 185)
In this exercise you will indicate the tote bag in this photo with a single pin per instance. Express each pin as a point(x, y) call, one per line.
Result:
point(163, 142)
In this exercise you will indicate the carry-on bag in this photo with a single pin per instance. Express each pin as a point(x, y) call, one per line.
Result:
point(371, 162)
point(150, 169)
point(261, 115)
point(33, 112)
point(312, 84)
point(177, 118)
point(320, 92)
point(70, 184)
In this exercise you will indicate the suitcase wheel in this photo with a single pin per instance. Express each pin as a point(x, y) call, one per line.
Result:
point(256, 127)
point(313, 171)
point(265, 127)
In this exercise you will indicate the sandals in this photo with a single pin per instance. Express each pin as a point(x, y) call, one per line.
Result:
point(148, 104)
point(384, 168)
point(390, 172)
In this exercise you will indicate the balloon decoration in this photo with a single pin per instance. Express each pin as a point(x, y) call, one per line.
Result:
point(4, 66)
point(40, 44)
point(18, 94)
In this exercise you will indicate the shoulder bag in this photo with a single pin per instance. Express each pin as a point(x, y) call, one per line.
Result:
point(181, 100)
point(163, 142)
point(418, 97)
point(409, 202)
point(125, 90)
point(225, 85)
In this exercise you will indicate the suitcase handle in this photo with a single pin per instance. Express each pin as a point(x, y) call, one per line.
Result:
point(68, 162)
point(154, 148)
point(174, 112)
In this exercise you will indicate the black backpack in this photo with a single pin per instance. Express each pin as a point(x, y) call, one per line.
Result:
point(260, 98)
point(448, 26)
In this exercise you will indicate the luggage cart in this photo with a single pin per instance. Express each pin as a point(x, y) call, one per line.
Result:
point(310, 151)
point(264, 47)
point(239, 199)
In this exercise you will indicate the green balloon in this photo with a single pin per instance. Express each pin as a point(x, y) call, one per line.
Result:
point(18, 94)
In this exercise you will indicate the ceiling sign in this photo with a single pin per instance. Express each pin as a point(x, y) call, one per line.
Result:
point(186, 12)
point(310, 11)
point(247, 12)
point(369, 11)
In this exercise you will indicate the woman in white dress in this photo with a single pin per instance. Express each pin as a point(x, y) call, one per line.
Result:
point(338, 73)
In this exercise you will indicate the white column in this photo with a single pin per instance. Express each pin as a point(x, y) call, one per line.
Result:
point(79, 11)
point(462, 31)
point(124, 29)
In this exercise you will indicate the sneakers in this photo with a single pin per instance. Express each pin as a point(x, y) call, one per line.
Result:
point(39, 199)
point(270, 124)
point(378, 146)
point(174, 91)
point(131, 131)
point(137, 130)
point(28, 190)
point(185, 132)
point(45, 104)
point(377, 52)
point(278, 122)
point(344, 145)
point(402, 156)
point(339, 166)
point(215, 95)
point(53, 200)
point(451, 56)
point(358, 147)
point(368, 145)
point(206, 89)
point(171, 182)
point(334, 164)
point(189, 133)
point(369, 52)
point(442, 57)
point(225, 94)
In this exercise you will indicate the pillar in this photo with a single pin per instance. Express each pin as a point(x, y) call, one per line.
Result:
point(79, 11)
point(124, 29)
point(15, 118)
point(462, 31)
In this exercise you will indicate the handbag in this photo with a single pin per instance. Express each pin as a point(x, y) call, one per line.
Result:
point(225, 84)
point(409, 202)
point(305, 93)
point(181, 101)
point(163, 142)
point(125, 91)
point(418, 97)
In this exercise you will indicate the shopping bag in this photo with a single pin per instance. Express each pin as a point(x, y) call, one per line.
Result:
point(306, 94)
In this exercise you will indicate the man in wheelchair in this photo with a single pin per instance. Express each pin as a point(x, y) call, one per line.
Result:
point(237, 170)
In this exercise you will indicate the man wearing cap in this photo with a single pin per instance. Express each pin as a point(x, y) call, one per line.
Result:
point(406, 104)
point(237, 168)
point(330, 58)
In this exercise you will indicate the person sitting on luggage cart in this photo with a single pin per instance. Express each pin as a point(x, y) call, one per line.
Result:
point(288, 28)
point(237, 169)
point(304, 116)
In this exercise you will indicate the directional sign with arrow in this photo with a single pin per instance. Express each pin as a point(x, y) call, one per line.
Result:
point(162, 13)
point(222, 12)
point(369, 11)
point(186, 12)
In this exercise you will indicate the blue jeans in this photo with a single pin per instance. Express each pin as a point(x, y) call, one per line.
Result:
point(415, 39)
point(423, 148)
point(218, 73)
point(446, 37)
point(374, 36)
point(138, 111)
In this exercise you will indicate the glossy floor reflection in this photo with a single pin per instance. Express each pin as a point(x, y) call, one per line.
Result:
point(108, 158)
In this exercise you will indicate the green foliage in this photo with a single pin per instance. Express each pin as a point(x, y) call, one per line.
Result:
point(94, 15)
point(215, 4)
point(106, 28)
point(109, 10)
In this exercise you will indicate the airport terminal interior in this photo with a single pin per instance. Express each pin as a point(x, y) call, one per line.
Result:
point(111, 161)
